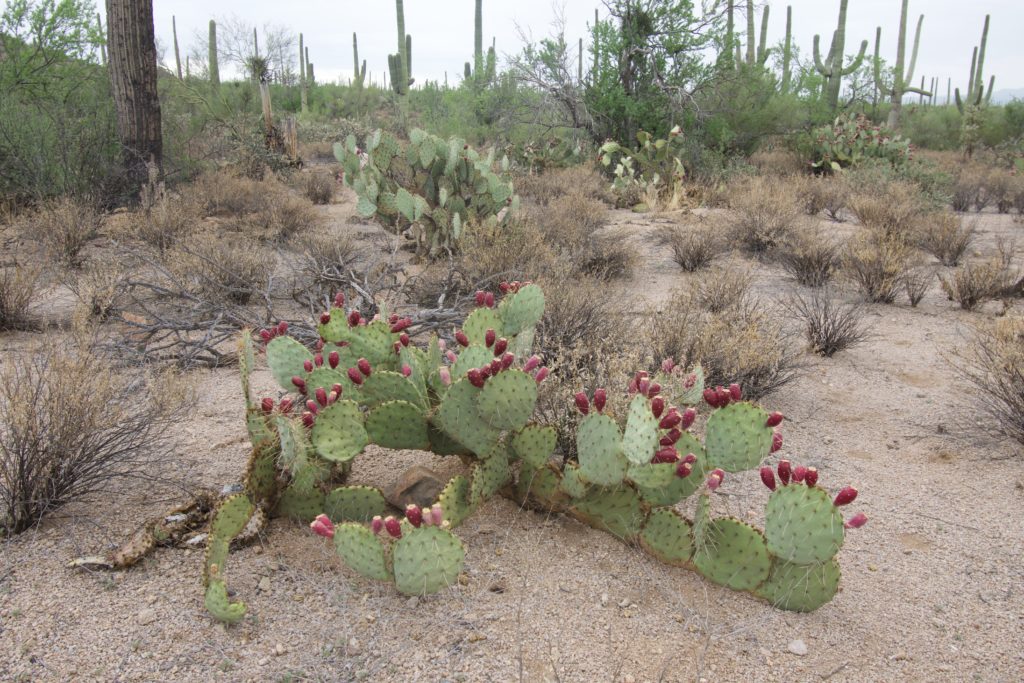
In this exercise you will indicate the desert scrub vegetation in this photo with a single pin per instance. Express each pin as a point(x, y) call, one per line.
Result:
point(826, 193)
point(976, 282)
point(944, 236)
point(19, 285)
point(810, 256)
point(764, 212)
point(64, 226)
point(917, 281)
point(829, 325)
point(318, 187)
point(583, 180)
point(892, 210)
point(166, 223)
point(993, 362)
point(723, 289)
point(693, 247)
point(878, 264)
point(71, 425)
point(225, 268)
point(266, 210)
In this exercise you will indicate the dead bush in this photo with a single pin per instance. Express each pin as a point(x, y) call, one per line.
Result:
point(980, 281)
point(166, 223)
point(318, 187)
point(225, 268)
point(280, 219)
point(744, 344)
point(967, 187)
point(581, 180)
point(608, 256)
point(262, 209)
point(810, 257)
point(917, 282)
point(1018, 194)
point(829, 325)
point(722, 290)
point(826, 193)
point(993, 361)
point(71, 425)
point(325, 262)
point(223, 193)
point(18, 288)
point(892, 211)
point(999, 189)
point(100, 289)
point(764, 211)
point(579, 318)
point(568, 222)
point(877, 264)
point(693, 248)
point(64, 226)
point(944, 236)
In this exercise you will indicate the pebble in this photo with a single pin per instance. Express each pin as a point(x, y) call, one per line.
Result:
point(279, 649)
point(798, 647)
point(264, 584)
point(604, 599)
point(147, 617)
point(413, 602)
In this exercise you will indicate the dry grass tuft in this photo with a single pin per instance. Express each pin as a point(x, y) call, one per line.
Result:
point(917, 282)
point(893, 211)
point(318, 187)
point(325, 262)
point(168, 222)
point(993, 362)
point(764, 211)
point(944, 236)
point(826, 193)
point(262, 209)
point(810, 256)
point(693, 248)
point(100, 290)
point(829, 325)
point(724, 289)
point(878, 265)
point(64, 226)
point(18, 288)
point(980, 281)
point(579, 180)
point(225, 269)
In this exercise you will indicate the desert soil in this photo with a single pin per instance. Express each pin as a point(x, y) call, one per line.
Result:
point(932, 589)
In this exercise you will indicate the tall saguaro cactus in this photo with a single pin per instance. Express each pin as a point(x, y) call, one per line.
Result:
point(214, 69)
point(360, 74)
point(400, 65)
point(832, 67)
point(787, 52)
point(478, 39)
point(177, 53)
point(975, 94)
point(901, 79)
point(304, 95)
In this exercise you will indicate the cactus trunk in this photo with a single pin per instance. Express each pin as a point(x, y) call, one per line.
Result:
point(214, 69)
point(787, 51)
point(832, 68)
point(177, 53)
point(302, 75)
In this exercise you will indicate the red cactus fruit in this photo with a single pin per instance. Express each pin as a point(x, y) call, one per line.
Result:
point(666, 455)
point(643, 386)
point(414, 515)
point(307, 365)
point(403, 339)
point(401, 324)
point(724, 397)
point(321, 396)
point(531, 363)
point(476, 378)
point(846, 496)
point(495, 366)
point(354, 318)
point(683, 469)
point(450, 355)
point(481, 297)
point(336, 389)
point(689, 415)
point(312, 407)
point(322, 526)
point(325, 318)
point(355, 377)
point(308, 419)
point(505, 287)
point(715, 480)
point(377, 524)
point(812, 476)
point(776, 441)
point(654, 389)
point(319, 344)
point(768, 477)
point(318, 360)
point(285, 405)
point(541, 375)
point(799, 474)
point(711, 397)
point(339, 299)
point(267, 405)
point(265, 335)
point(507, 360)
point(671, 438)
point(774, 420)
point(489, 337)
point(282, 327)
point(500, 346)
point(489, 300)
point(436, 514)
point(299, 383)
point(582, 402)
point(690, 458)
point(446, 376)
point(672, 419)
point(667, 365)
point(600, 398)
point(657, 406)
point(785, 471)
point(857, 521)
point(364, 366)
point(735, 392)
point(392, 526)
point(406, 370)
point(486, 371)
point(461, 337)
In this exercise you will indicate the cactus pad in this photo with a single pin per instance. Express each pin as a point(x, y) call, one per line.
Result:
point(336, 330)
point(679, 488)
point(374, 342)
point(219, 605)
point(507, 399)
point(801, 587)
point(260, 480)
point(454, 500)
point(522, 310)
point(535, 444)
point(732, 553)
point(802, 525)
point(398, 425)
point(426, 560)
point(338, 433)
point(458, 417)
point(386, 385)
point(361, 550)
point(285, 356)
point(619, 512)
point(299, 503)
point(472, 357)
point(573, 483)
point(736, 437)
point(260, 433)
point(599, 448)
point(541, 485)
point(667, 536)
point(231, 516)
point(354, 504)
point(652, 476)
point(488, 476)
point(478, 322)
point(640, 440)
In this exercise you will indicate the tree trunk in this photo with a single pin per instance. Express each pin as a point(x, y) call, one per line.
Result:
point(131, 52)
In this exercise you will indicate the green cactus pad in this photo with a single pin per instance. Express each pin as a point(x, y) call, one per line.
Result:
point(260, 480)
point(454, 500)
point(296, 454)
point(732, 554)
point(679, 488)
point(736, 437)
point(617, 511)
point(478, 322)
point(231, 517)
point(690, 395)
point(219, 605)
point(802, 525)
point(535, 444)
point(652, 476)
point(338, 433)
point(354, 504)
point(299, 503)
point(542, 486)
point(458, 417)
point(442, 444)
point(522, 344)
point(508, 399)
point(800, 587)
point(573, 484)
point(385, 385)
point(260, 433)
point(286, 357)
point(522, 310)
point(599, 448)
point(337, 329)
point(640, 439)
point(246, 361)
point(325, 378)
point(361, 551)
point(397, 425)
point(668, 537)
point(426, 560)
point(374, 342)
point(488, 476)
point(471, 357)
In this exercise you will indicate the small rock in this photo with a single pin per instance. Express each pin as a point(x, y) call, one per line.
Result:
point(264, 584)
point(798, 647)
point(353, 648)
point(624, 603)
point(418, 485)
point(147, 617)
point(604, 599)
point(150, 600)
point(279, 650)
point(413, 602)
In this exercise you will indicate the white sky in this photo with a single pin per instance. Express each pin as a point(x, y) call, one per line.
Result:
point(442, 30)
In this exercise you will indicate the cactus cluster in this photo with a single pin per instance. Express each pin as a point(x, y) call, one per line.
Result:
point(902, 79)
point(366, 383)
point(654, 170)
point(851, 140)
point(400, 65)
point(976, 96)
point(832, 66)
point(439, 187)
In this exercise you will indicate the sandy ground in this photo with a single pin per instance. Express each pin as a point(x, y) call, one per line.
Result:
point(933, 586)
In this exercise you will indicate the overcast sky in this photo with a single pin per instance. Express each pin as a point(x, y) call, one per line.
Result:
point(442, 30)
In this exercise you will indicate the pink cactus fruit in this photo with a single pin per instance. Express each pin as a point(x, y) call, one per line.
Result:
point(812, 476)
point(476, 378)
point(354, 318)
point(406, 370)
point(768, 477)
point(531, 363)
point(683, 469)
point(776, 441)
point(481, 298)
point(393, 527)
point(582, 403)
point(785, 471)
point(414, 515)
point(333, 359)
point(657, 406)
point(446, 376)
point(339, 299)
point(282, 327)
point(325, 318)
point(541, 375)
point(500, 346)
point(799, 474)
point(461, 338)
point(321, 396)
point(715, 479)
point(600, 398)
point(489, 338)
point(774, 420)
point(364, 366)
point(377, 524)
point(322, 526)
point(355, 376)
point(846, 496)
point(267, 405)
point(735, 392)
point(689, 415)
point(307, 365)
point(857, 521)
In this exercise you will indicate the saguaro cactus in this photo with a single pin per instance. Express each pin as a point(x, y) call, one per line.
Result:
point(832, 67)
point(478, 39)
point(400, 65)
point(304, 96)
point(787, 52)
point(214, 70)
point(360, 74)
point(976, 95)
point(177, 53)
point(901, 78)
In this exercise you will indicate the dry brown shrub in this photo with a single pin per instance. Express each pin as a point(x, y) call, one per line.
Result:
point(569, 221)
point(993, 362)
point(64, 226)
point(778, 162)
point(944, 236)
point(545, 187)
point(893, 211)
point(980, 281)
point(166, 223)
point(71, 425)
point(999, 189)
point(608, 256)
point(324, 261)
point(723, 289)
point(968, 186)
point(579, 317)
point(1017, 189)
point(830, 325)
point(917, 282)
point(222, 193)
point(744, 344)
point(877, 264)
point(281, 219)
point(826, 193)
point(262, 209)
point(810, 256)
point(19, 285)
point(224, 268)
point(318, 187)
point(764, 211)
point(100, 289)
point(693, 247)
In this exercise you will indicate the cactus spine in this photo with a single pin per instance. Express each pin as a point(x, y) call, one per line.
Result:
point(399, 64)
point(901, 81)
point(832, 68)
point(214, 69)
point(975, 95)
point(177, 54)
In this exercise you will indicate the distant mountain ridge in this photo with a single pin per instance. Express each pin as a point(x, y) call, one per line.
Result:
point(1004, 96)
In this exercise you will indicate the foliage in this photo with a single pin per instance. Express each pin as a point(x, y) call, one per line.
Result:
point(851, 140)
